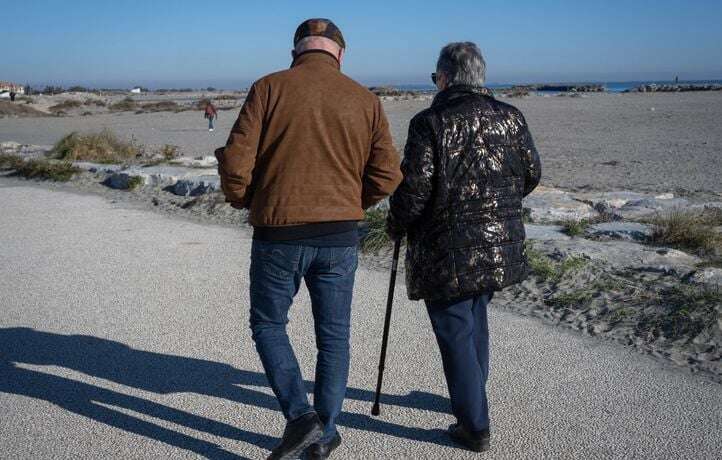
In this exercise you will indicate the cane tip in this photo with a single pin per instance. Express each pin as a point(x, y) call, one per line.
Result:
point(376, 410)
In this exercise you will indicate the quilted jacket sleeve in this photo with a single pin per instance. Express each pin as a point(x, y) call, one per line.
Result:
point(529, 157)
point(407, 204)
point(381, 174)
point(237, 160)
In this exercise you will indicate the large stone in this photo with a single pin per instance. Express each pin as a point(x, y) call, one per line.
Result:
point(122, 180)
point(545, 232)
point(631, 231)
point(626, 254)
point(196, 186)
point(198, 162)
point(552, 205)
point(710, 276)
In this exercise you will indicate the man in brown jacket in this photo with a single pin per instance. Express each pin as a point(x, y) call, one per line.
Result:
point(311, 149)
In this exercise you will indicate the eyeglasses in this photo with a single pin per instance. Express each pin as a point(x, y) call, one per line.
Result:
point(433, 77)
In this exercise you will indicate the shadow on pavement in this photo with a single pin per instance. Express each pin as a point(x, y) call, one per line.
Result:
point(164, 374)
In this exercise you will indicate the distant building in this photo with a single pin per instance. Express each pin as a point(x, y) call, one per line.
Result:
point(136, 90)
point(10, 87)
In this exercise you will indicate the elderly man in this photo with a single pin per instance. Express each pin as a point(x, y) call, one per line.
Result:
point(311, 149)
point(469, 161)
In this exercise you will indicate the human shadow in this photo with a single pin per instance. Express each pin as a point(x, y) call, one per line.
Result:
point(165, 374)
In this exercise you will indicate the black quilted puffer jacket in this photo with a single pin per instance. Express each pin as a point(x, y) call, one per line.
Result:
point(469, 161)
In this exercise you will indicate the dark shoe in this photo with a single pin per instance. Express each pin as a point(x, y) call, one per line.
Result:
point(478, 441)
point(298, 435)
point(321, 451)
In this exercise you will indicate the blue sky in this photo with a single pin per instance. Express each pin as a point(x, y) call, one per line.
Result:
point(231, 43)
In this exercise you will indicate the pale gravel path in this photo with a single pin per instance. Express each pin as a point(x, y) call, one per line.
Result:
point(162, 364)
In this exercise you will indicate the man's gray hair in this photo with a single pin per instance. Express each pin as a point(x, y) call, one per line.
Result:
point(462, 63)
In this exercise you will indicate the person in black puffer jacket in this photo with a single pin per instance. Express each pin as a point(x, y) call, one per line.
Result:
point(468, 162)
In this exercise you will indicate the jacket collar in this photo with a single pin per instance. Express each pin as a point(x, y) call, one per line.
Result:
point(456, 91)
point(316, 57)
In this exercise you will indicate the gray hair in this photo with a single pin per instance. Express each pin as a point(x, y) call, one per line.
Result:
point(462, 63)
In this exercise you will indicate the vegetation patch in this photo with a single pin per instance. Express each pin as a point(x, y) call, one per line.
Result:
point(41, 169)
point(134, 182)
point(575, 227)
point(374, 237)
point(548, 270)
point(126, 105)
point(103, 147)
point(67, 104)
point(691, 230)
point(12, 109)
point(162, 106)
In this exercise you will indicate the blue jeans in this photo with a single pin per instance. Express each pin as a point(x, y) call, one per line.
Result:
point(276, 273)
point(462, 332)
point(210, 122)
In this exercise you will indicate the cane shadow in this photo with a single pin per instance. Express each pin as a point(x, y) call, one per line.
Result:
point(166, 374)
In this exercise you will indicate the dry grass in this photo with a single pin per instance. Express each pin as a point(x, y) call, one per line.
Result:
point(548, 270)
point(375, 239)
point(690, 230)
point(67, 104)
point(10, 109)
point(126, 105)
point(162, 106)
point(41, 169)
point(103, 147)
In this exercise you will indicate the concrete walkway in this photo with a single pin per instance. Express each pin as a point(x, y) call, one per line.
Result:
point(123, 334)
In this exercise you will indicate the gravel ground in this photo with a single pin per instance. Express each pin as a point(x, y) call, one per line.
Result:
point(642, 142)
point(123, 334)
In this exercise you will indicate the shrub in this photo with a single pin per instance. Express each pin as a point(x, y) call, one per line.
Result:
point(95, 102)
point(169, 151)
point(692, 230)
point(42, 169)
point(375, 238)
point(9, 161)
point(134, 182)
point(103, 147)
point(547, 269)
point(575, 227)
point(162, 106)
point(65, 105)
point(128, 104)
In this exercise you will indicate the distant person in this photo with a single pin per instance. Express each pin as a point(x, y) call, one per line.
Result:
point(12, 96)
point(211, 114)
point(311, 149)
point(469, 161)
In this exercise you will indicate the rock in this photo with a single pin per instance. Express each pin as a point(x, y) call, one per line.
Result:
point(623, 254)
point(196, 186)
point(709, 276)
point(97, 167)
point(198, 162)
point(552, 205)
point(545, 232)
point(631, 231)
point(121, 180)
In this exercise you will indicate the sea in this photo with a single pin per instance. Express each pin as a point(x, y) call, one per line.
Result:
point(612, 86)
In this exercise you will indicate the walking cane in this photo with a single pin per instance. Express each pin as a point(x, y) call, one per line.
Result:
point(376, 410)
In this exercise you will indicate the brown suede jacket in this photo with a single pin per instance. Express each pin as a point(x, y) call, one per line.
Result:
point(310, 145)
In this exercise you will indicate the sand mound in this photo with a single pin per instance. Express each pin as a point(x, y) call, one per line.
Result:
point(14, 109)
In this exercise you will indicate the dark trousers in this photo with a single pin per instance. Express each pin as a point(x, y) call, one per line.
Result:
point(462, 332)
point(276, 273)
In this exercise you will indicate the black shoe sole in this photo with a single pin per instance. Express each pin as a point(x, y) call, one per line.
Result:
point(312, 436)
point(480, 446)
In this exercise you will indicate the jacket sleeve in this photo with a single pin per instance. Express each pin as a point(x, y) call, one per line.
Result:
point(529, 158)
point(237, 160)
point(407, 204)
point(381, 174)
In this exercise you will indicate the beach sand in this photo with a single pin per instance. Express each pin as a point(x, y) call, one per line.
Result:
point(641, 142)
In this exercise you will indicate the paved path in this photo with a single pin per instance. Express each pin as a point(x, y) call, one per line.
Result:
point(123, 334)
